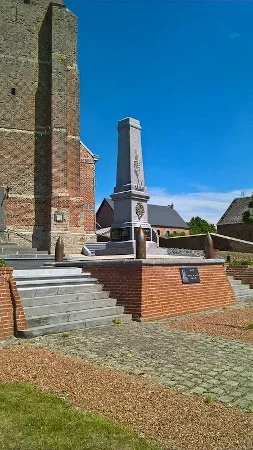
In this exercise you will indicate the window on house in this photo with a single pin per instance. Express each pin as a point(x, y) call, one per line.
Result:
point(13, 91)
point(158, 232)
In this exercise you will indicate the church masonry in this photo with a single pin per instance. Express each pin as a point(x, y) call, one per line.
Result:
point(46, 172)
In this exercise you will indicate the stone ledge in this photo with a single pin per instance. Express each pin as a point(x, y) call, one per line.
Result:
point(143, 262)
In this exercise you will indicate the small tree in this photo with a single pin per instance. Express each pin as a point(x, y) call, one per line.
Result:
point(247, 217)
point(200, 226)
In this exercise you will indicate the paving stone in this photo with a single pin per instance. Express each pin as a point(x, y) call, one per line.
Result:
point(191, 362)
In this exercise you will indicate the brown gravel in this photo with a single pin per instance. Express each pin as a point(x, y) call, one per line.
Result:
point(230, 324)
point(177, 421)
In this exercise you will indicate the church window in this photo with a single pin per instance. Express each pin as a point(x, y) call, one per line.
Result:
point(13, 91)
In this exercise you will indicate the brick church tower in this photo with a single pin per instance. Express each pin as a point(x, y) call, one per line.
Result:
point(46, 173)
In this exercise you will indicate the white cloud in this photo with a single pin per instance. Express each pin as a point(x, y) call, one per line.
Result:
point(234, 35)
point(208, 205)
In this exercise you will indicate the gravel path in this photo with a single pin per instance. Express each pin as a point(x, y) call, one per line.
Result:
point(177, 421)
point(231, 324)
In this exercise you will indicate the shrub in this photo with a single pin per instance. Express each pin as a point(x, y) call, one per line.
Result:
point(241, 262)
point(3, 263)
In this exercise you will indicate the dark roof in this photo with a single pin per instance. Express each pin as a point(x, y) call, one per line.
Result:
point(163, 216)
point(235, 211)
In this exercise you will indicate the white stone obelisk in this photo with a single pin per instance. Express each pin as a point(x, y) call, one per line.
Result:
point(130, 193)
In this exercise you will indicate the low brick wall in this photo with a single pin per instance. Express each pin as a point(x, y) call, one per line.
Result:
point(12, 316)
point(244, 273)
point(153, 289)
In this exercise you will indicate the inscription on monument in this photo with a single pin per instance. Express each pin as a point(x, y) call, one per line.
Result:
point(189, 275)
point(120, 234)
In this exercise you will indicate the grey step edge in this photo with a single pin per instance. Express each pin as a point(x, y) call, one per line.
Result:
point(64, 298)
point(55, 281)
point(30, 292)
point(73, 316)
point(71, 326)
point(53, 272)
point(57, 308)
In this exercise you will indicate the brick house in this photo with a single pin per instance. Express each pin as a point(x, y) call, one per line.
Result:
point(163, 219)
point(231, 223)
point(46, 173)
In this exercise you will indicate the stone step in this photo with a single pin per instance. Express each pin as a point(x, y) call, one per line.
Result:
point(42, 291)
point(46, 273)
point(68, 298)
point(56, 281)
point(20, 251)
point(241, 290)
point(59, 299)
point(241, 287)
point(57, 308)
point(73, 316)
point(245, 297)
point(29, 263)
point(235, 282)
point(63, 327)
point(95, 246)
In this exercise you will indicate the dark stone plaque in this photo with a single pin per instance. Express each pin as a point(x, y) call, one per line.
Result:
point(189, 275)
point(120, 234)
point(116, 234)
point(147, 232)
point(125, 234)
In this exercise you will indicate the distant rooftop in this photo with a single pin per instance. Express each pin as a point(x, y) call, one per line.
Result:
point(235, 211)
point(163, 216)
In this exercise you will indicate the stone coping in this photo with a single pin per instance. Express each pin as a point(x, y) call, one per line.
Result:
point(143, 262)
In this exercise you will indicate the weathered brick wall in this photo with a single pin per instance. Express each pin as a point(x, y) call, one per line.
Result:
point(239, 231)
point(39, 125)
point(87, 186)
point(152, 292)
point(12, 316)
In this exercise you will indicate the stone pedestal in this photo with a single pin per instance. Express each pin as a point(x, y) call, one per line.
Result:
point(130, 193)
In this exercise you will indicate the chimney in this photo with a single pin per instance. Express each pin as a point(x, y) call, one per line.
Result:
point(171, 206)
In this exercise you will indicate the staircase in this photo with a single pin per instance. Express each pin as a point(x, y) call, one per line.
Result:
point(20, 257)
point(243, 292)
point(241, 279)
point(58, 300)
point(93, 246)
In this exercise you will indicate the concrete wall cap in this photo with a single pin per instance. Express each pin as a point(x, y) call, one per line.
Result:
point(156, 262)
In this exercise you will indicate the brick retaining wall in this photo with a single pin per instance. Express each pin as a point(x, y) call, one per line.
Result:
point(150, 289)
point(243, 273)
point(12, 317)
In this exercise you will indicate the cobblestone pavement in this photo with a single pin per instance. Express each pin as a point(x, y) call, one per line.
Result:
point(190, 362)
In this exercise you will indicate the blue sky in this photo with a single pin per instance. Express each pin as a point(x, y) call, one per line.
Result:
point(185, 70)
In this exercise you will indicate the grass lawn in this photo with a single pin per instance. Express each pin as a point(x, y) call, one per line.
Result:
point(32, 420)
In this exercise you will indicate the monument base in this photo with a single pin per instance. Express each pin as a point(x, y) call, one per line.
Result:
point(152, 289)
point(128, 248)
point(125, 248)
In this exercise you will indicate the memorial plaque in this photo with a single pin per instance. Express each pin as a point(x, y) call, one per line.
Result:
point(116, 234)
point(125, 234)
point(120, 234)
point(147, 232)
point(189, 275)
